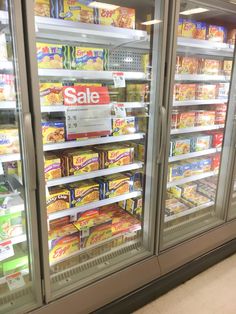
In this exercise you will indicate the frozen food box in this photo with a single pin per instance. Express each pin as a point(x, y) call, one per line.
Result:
point(201, 29)
point(53, 132)
point(84, 192)
point(180, 146)
point(174, 206)
point(220, 114)
point(114, 185)
point(216, 33)
point(217, 138)
point(184, 92)
point(59, 222)
point(123, 126)
point(9, 141)
point(223, 90)
point(227, 67)
point(209, 66)
point(231, 35)
point(188, 28)
point(117, 94)
point(141, 152)
point(204, 118)
point(175, 172)
point(180, 25)
point(205, 164)
point(79, 161)
point(188, 65)
point(136, 180)
point(52, 167)
point(11, 225)
point(7, 87)
point(205, 91)
point(77, 11)
point(216, 162)
point(50, 94)
point(197, 199)
point(184, 189)
point(61, 231)
point(186, 119)
point(124, 223)
point(136, 92)
point(57, 198)
point(87, 219)
point(63, 247)
point(15, 264)
point(11, 167)
point(134, 206)
point(200, 142)
point(42, 8)
point(49, 56)
point(89, 58)
point(120, 17)
point(113, 156)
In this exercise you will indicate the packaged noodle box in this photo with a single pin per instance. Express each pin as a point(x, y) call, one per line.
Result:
point(84, 192)
point(123, 126)
point(217, 138)
point(50, 94)
point(42, 8)
point(216, 33)
point(77, 161)
point(77, 11)
point(57, 198)
point(114, 156)
point(11, 225)
point(120, 17)
point(89, 58)
point(114, 185)
point(201, 29)
point(188, 28)
point(9, 141)
point(49, 56)
point(15, 264)
point(52, 167)
point(53, 132)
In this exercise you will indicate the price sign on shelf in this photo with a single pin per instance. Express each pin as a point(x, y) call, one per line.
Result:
point(119, 79)
point(15, 281)
point(119, 110)
point(6, 250)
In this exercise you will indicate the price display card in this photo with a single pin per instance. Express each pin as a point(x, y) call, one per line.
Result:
point(6, 250)
point(15, 281)
point(119, 79)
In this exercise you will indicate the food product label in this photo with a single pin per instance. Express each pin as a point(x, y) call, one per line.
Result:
point(120, 17)
point(119, 79)
point(15, 281)
point(6, 250)
point(119, 110)
point(93, 59)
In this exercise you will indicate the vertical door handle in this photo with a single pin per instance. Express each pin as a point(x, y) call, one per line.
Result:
point(163, 133)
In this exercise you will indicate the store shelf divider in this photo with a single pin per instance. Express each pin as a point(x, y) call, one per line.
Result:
point(195, 154)
point(192, 178)
point(197, 129)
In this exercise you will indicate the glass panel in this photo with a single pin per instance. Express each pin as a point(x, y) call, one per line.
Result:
point(17, 277)
point(204, 57)
point(94, 65)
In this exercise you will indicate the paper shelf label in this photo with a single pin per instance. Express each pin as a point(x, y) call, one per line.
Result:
point(119, 79)
point(6, 250)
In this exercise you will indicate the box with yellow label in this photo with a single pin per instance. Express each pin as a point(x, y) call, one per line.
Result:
point(52, 167)
point(50, 94)
point(9, 141)
point(114, 185)
point(42, 8)
point(49, 56)
point(77, 11)
point(120, 17)
point(89, 58)
point(53, 132)
point(57, 198)
point(124, 126)
point(84, 192)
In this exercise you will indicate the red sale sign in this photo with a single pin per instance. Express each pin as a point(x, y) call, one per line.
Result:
point(85, 95)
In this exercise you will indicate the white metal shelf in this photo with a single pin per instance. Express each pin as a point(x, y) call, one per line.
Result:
point(192, 178)
point(60, 30)
point(15, 240)
point(201, 77)
point(75, 210)
point(93, 141)
point(9, 157)
point(7, 105)
point(197, 129)
point(3, 280)
point(188, 211)
point(94, 174)
point(197, 102)
point(204, 47)
point(61, 108)
point(195, 154)
point(88, 75)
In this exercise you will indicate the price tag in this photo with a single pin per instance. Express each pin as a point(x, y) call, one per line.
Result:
point(15, 281)
point(6, 250)
point(119, 79)
point(119, 110)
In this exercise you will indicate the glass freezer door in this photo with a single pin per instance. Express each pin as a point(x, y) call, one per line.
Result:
point(98, 65)
point(198, 117)
point(20, 283)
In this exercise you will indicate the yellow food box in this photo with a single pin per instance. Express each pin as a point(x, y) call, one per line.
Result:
point(50, 94)
point(42, 8)
point(57, 198)
point(84, 192)
point(53, 132)
point(114, 185)
point(9, 141)
point(89, 58)
point(188, 28)
point(52, 167)
point(75, 10)
point(120, 17)
point(49, 56)
point(123, 126)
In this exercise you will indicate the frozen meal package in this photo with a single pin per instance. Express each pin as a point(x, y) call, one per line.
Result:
point(42, 8)
point(204, 118)
point(180, 146)
point(209, 66)
point(188, 65)
point(188, 28)
point(9, 141)
point(200, 32)
point(77, 11)
point(184, 92)
point(57, 198)
point(186, 119)
point(117, 94)
point(197, 198)
point(216, 33)
point(231, 35)
point(216, 162)
point(223, 90)
point(84, 192)
point(205, 91)
point(114, 185)
point(217, 138)
point(7, 87)
point(121, 17)
point(53, 132)
point(227, 67)
point(15, 264)
point(220, 114)
point(200, 142)
point(123, 126)
point(50, 94)
point(11, 225)
point(61, 231)
point(49, 56)
point(90, 58)
point(52, 166)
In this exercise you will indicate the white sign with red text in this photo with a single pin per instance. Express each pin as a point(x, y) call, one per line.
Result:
point(118, 79)
point(6, 250)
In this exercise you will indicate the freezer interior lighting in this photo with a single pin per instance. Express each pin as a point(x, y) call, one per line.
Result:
point(101, 5)
point(194, 11)
point(151, 22)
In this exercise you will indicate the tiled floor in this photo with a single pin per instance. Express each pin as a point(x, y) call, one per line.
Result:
point(211, 292)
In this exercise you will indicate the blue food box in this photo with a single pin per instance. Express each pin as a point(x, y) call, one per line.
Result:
point(205, 164)
point(176, 172)
point(216, 33)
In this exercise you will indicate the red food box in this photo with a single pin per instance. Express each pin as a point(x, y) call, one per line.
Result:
point(216, 162)
point(221, 112)
point(217, 138)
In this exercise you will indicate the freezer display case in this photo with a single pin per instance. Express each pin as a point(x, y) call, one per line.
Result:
point(199, 111)
point(98, 75)
point(19, 282)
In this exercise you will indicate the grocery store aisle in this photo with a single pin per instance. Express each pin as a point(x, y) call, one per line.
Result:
point(211, 292)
